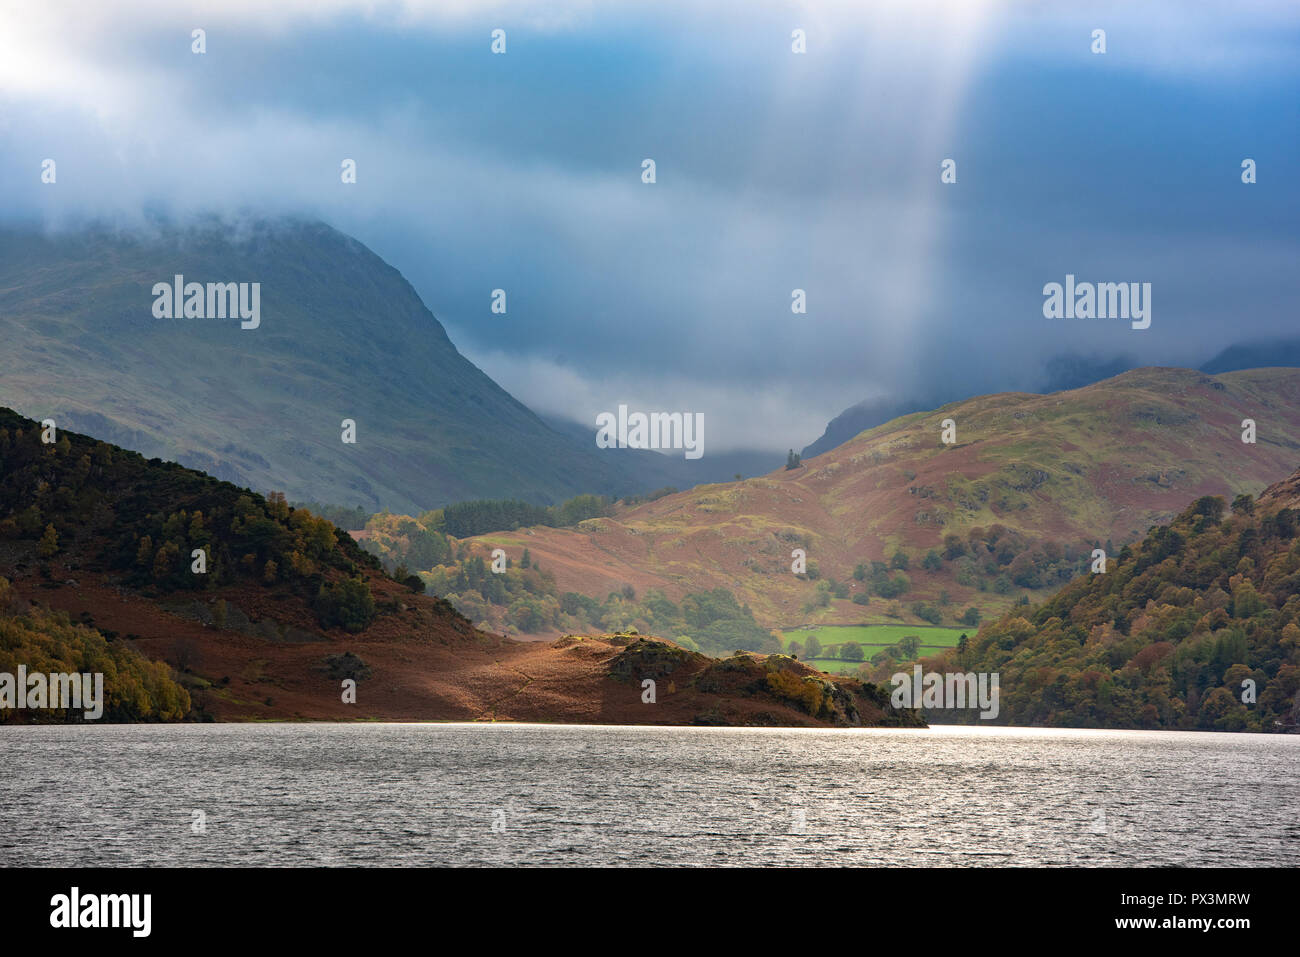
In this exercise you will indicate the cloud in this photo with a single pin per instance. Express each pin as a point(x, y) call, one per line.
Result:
point(775, 172)
point(776, 418)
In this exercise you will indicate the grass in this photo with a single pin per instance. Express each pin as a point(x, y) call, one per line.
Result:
point(872, 638)
point(931, 636)
point(833, 666)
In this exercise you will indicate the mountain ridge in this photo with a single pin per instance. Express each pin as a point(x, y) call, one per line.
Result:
point(342, 336)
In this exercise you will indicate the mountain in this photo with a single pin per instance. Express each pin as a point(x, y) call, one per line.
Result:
point(1195, 627)
point(1032, 484)
point(1255, 355)
point(1062, 373)
point(1073, 371)
point(658, 469)
point(263, 611)
point(341, 336)
point(857, 419)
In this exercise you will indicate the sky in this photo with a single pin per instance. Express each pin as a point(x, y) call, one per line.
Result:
point(775, 171)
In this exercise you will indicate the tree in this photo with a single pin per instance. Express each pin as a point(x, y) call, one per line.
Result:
point(582, 507)
point(164, 563)
point(813, 647)
point(347, 603)
point(525, 616)
point(276, 506)
point(851, 651)
point(900, 560)
point(927, 612)
point(1025, 572)
point(49, 543)
point(970, 617)
point(893, 587)
point(932, 562)
point(792, 461)
point(198, 535)
point(1218, 705)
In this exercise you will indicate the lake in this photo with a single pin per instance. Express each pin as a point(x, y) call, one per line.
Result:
point(460, 794)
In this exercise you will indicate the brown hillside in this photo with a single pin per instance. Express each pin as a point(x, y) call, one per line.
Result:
point(421, 666)
point(1075, 468)
point(269, 630)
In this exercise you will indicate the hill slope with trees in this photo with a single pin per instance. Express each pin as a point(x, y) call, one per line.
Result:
point(1195, 627)
point(263, 611)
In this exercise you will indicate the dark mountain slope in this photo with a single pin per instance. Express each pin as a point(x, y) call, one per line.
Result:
point(342, 335)
point(857, 419)
point(1277, 353)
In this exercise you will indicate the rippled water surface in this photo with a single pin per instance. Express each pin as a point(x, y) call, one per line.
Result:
point(368, 794)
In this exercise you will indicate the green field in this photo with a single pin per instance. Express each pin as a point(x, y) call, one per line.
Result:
point(872, 638)
point(881, 635)
point(834, 666)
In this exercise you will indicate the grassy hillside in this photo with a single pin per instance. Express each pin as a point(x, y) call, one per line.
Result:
point(342, 336)
point(1196, 627)
point(899, 527)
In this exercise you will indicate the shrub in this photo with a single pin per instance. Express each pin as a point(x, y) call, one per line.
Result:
point(927, 612)
point(347, 603)
point(893, 587)
point(806, 692)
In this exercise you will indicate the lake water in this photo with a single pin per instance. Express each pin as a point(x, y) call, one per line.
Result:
point(366, 794)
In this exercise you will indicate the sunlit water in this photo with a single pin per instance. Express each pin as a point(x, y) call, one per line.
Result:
point(369, 794)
